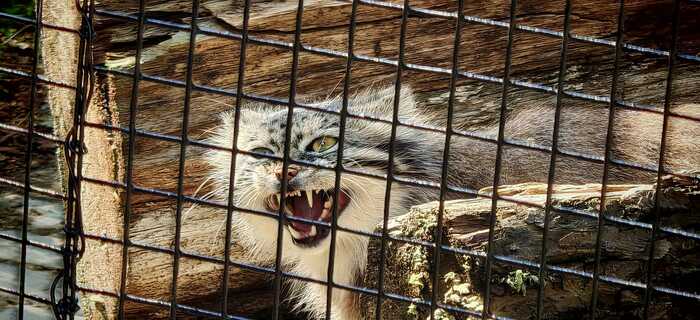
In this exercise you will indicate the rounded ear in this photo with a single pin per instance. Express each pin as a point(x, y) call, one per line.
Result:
point(379, 102)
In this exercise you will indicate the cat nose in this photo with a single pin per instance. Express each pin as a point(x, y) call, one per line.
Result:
point(292, 171)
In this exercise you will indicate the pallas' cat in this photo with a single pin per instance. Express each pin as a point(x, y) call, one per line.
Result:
point(418, 156)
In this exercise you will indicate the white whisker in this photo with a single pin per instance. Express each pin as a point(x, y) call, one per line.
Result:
point(207, 131)
point(194, 195)
point(216, 101)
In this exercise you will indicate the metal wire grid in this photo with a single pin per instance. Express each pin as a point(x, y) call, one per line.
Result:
point(24, 242)
point(72, 248)
point(70, 251)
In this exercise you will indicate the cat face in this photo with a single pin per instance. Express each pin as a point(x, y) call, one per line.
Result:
point(311, 182)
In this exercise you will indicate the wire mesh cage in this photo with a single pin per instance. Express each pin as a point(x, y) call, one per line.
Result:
point(129, 170)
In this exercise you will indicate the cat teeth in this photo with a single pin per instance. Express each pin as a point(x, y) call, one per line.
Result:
point(313, 231)
point(310, 199)
point(295, 193)
point(329, 203)
point(325, 214)
point(309, 194)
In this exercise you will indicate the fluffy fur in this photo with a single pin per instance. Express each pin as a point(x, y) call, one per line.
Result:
point(418, 156)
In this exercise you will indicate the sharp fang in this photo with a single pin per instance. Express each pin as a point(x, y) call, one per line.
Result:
point(278, 198)
point(325, 214)
point(309, 199)
point(313, 231)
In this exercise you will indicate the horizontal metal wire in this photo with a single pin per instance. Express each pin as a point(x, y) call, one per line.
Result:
point(566, 210)
point(16, 293)
point(551, 89)
point(473, 253)
point(253, 268)
point(41, 78)
point(412, 182)
point(529, 29)
point(33, 188)
point(416, 182)
point(37, 244)
point(461, 133)
point(504, 259)
point(388, 5)
point(159, 303)
point(204, 312)
point(23, 19)
point(45, 136)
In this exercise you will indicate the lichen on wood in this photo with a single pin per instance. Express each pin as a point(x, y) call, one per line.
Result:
point(571, 246)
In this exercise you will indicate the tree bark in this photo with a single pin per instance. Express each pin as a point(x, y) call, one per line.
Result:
point(429, 42)
point(571, 244)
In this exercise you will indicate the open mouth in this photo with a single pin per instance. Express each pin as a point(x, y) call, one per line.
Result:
point(315, 205)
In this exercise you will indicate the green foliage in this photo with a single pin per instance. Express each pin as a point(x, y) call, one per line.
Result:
point(18, 7)
point(519, 280)
point(23, 8)
point(441, 314)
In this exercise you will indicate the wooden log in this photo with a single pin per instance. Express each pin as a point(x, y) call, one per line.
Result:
point(429, 42)
point(571, 245)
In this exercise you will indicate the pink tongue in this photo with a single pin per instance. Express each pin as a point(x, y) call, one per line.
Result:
point(301, 209)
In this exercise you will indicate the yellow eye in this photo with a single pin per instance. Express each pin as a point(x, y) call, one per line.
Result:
point(322, 144)
point(263, 150)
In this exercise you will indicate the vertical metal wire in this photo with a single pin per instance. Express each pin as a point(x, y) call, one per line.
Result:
point(234, 154)
point(28, 157)
point(606, 157)
point(339, 158)
point(542, 272)
point(72, 193)
point(74, 244)
point(74, 219)
point(668, 96)
point(445, 159)
point(184, 139)
point(392, 151)
point(499, 155)
point(133, 103)
point(285, 163)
